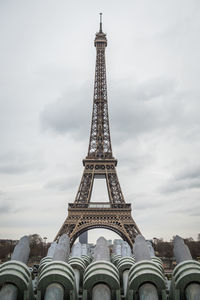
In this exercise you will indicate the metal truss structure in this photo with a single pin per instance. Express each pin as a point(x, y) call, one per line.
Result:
point(100, 163)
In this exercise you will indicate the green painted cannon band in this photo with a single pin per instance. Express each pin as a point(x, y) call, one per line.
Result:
point(65, 273)
point(17, 273)
point(186, 277)
point(98, 265)
point(43, 262)
point(18, 265)
point(159, 262)
point(46, 258)
point(86, 259)
point(100, 269)
point(79, 266)
point(151, 277)
point(125, 263)
point(146, 271)
point(144, 266)
point(115, 258)
point(184, 274)
point(57, 265)
point(185, 264)
point(57, 272)
point(101, 272)
point(57, 277)
point(103, 276)
point(77, 263)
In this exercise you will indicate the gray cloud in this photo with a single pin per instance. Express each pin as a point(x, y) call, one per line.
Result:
point(129, 112)
point(62, 184)
point(185, 179)
point(144, 202)
point(11, 204)
point(177, 186)
point(18, 162)
point(154, 89)
point(5, 208)
point(191, 209)
point(146, 205)
point(68, 114)
point(134, 161)
point(169, 112)
point(156, 105)
point(191, 173)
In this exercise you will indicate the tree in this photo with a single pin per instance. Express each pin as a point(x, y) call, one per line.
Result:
point(198, 237)
point(35, 239)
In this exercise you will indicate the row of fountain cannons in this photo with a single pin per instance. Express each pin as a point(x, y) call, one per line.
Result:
point(100, 276)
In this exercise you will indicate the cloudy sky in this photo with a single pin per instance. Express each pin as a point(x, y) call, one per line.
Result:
point(47, 61)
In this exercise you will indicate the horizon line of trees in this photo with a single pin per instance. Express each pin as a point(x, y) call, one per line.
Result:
point(39, 248)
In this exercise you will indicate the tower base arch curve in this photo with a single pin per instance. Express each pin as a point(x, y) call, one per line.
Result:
point(115, 217)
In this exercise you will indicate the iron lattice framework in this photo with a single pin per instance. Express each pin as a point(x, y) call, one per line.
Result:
point(100, 163)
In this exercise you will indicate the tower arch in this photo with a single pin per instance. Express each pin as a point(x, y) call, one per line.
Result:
point(115, 228)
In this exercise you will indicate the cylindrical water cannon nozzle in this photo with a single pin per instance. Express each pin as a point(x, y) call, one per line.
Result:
point(47, 258)
point(151, 249)
point(22, 250)
point(57, 277)
point(101, 277)
point(186, 275)
point(78, 264)
point(117, 248)
point(62, 249)
point(125, 249)
point(15, 275)
point(52, 249)
point(181, 250)
point(145, 277)
point(141, 249)
point(101, 251)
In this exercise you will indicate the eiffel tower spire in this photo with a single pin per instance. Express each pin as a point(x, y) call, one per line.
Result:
point(100, 163)
point(100, 142)
point(100, 28)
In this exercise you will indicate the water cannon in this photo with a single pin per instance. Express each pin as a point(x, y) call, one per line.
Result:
point(186, 275)
point(101, 278)
point(15, 276)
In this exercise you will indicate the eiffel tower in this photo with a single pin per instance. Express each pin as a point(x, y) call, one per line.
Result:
point(100, 163)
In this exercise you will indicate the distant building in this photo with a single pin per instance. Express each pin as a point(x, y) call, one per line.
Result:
point(83, 238)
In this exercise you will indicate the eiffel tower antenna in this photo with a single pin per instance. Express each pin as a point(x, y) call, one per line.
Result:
point(100, 28)
point(99, 162)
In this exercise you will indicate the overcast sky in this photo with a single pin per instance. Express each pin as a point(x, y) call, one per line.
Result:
point(47, 61)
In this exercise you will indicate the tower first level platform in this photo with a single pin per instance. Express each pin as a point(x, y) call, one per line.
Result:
point(85, 216)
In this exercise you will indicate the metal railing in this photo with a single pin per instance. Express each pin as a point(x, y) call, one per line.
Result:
point(100, 205)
